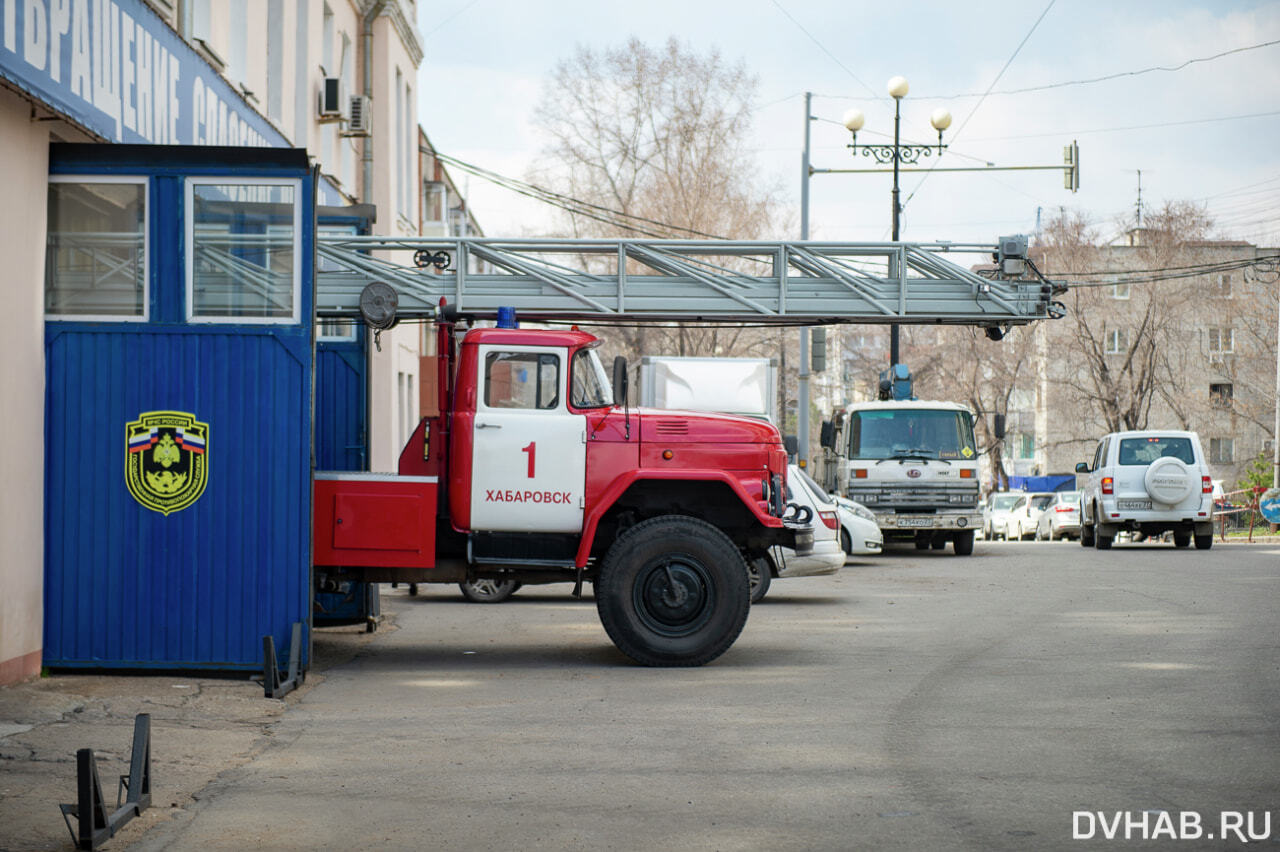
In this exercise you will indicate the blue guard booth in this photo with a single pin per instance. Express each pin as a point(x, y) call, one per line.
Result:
point(179, 350)
point(342, 420)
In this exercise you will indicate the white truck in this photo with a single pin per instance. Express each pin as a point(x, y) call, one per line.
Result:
point(743, 386)
point(913, 463)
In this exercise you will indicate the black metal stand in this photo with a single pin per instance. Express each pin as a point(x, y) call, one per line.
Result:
point(94, 825)
point(272, 685)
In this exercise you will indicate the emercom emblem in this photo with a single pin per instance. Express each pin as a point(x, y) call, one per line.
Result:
point(166, 459)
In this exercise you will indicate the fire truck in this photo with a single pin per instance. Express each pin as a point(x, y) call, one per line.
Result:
point(532, 467)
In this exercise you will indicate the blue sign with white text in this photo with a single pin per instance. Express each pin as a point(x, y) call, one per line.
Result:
point(115, 67)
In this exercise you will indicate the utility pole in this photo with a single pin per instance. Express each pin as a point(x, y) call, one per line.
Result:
point(802, 402)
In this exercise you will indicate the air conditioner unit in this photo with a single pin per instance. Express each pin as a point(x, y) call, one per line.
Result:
point(331, 101)
point(358, 118)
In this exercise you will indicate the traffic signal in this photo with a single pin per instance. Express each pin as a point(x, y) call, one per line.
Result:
point(818, 350)
point(1071, 174)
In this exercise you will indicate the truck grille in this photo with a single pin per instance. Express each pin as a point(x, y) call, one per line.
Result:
point(923, 499)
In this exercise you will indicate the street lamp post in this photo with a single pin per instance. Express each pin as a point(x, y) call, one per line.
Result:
point(897, 154)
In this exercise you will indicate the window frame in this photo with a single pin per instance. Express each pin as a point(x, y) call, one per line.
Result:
point(145, 316)
point(1120, 337)
point(1116, 291)
point(1218, 443)
point(188, 252)
point(561, 385)
point(1222, 331)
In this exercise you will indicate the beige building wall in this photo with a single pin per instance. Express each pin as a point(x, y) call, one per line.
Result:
point(22, 173)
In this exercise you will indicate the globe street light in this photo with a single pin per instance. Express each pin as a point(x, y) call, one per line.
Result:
point(897, 154)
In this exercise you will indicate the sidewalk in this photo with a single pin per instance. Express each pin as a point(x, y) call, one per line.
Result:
point(200, 728)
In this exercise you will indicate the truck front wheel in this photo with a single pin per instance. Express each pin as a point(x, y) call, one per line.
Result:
point(673, 591)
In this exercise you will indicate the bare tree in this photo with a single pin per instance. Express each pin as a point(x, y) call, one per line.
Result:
point(1126, 339)
point(658, 134)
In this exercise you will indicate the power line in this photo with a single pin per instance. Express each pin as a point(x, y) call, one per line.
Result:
point(978, 105)
point(576, 206)
point(823, 48)
point(1129, 127)
point(1114, 76)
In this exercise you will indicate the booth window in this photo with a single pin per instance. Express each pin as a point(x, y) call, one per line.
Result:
point(96, 251)
point(242, 251)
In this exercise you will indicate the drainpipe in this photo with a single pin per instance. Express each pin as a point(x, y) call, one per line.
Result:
point(366, 49)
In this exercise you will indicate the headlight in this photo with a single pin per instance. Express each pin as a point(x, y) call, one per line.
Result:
point(864, 513)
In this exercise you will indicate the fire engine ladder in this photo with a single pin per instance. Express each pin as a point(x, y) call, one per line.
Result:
point(785, 283)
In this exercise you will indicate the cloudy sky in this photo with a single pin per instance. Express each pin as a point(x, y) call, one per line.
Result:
point(1209, 132)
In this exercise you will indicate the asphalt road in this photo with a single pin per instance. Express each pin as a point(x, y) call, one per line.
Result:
point(913, 701)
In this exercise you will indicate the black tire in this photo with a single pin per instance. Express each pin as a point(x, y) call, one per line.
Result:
point(1181, 539)
point(922, 543)
point(759, 577)
point(673, 591)
point(1101, 541)
point(1204, 542)
point(938, 543)
point(488, 591)
point(962, 543)
point(846, 543)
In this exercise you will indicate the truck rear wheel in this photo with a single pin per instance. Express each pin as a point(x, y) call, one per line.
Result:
point(673, 591)
point(962, 543)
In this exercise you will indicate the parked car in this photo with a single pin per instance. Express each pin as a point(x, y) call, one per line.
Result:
point(1061, 518)
point(1023, 515)
point(995, 513)
point(858, 531)
point(1149, 482)
point(804, 498)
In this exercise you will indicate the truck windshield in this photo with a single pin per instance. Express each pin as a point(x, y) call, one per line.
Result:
point(590, 386)
point(911, 433)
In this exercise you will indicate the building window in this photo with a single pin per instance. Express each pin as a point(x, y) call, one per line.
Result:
point(1222, 341)
point(1221, 450)
point(1120, 290)
point(1220, 395)
point(433, 201)
point(1024, 446)
point(335, 329)
point(1224, 286)
point(96, 251)
point(1117, 341)
point(242, 250)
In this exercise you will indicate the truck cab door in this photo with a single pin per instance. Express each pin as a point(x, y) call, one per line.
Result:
point(529, 457)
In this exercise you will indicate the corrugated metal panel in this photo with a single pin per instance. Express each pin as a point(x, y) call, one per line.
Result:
point(129, 587)
point(340, 405)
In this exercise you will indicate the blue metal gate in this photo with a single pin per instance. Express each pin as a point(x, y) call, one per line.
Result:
point(179, 350)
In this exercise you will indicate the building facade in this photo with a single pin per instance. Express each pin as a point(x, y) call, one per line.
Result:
point(336, 77)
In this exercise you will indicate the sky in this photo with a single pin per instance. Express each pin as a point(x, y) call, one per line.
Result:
point(1209, 132)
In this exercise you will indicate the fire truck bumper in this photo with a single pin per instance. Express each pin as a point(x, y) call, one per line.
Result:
point(797, 537)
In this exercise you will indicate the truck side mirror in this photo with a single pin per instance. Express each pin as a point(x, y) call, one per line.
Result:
point(998, 431)
point(791, 444)
point(619, 380)
point(827, 435)
point(1082, 467)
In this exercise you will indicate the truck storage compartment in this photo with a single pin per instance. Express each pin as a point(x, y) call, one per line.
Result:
point(375, 520)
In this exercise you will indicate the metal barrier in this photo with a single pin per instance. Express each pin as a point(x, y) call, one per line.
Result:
point(94, 825)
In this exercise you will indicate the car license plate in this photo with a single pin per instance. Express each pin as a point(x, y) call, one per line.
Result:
point(915, 522)
point(1133, 504)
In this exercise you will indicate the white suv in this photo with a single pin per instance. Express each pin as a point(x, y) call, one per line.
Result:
point(1150, 482)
